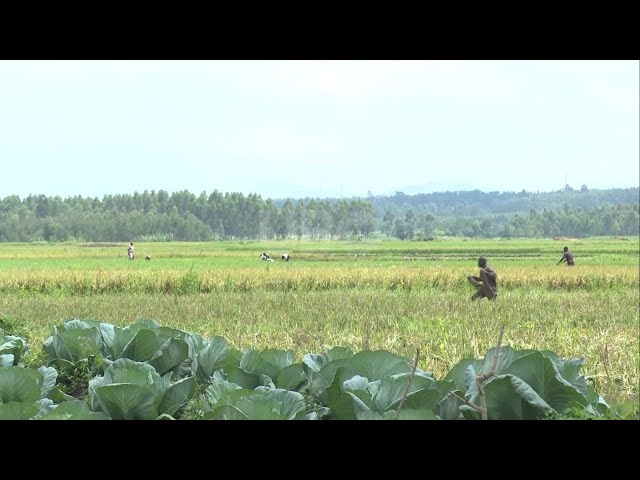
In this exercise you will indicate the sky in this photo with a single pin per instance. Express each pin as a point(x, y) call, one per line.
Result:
point(316, 128)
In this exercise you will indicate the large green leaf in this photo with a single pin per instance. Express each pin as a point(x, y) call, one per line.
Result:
point(320, 381)
point(211, 357)
point(245, 380)
point(12, 345)
point(55, 347)
point(405, 414)
point(373, 388)
point(230, 412)
point(266, 381)
point(158, 388)
point(449, 407)
point(47, 346)
point(597, 404)
point(507, 356)
point(268, 405)
point(231, 359)
point(107, 333)
point(316, 361)
point(503, 403)
point(369, 415)
point(45, 406)
point(183, 369)
point(73, 407)
point(177, 396)
point(94, 383)
point(77, 324)
point(471, 384)
point(458, 373)
point(128, 372)
point(510, 398)
point(352, 405)
point(6, 360)
point(355, 383)
point(142, 346)
point(80, 416)
point(19, 385)
point(79, 342)
point(317, 414)
point(469, 413)
point(125, 370)
point(168, 332)
point(377, 364)
point(444, 387)
point(280, 358)
point(348, 395)
point(171, 354)
point(18, 410)
point(417, 414)
point(372, 365)
point(289, 405)
point(148, 324)
point(125, 401)
point(569, 369)
point(58, 395)
point(218, 388)
point(121, 337)
point(421, 400)
point(252, 362)
point(231, 397)
point(62, 364)
point(336, 400)
point(291, 377)
point(540, 373)
point(49, 376)
point(392, 389)
point(195, 343)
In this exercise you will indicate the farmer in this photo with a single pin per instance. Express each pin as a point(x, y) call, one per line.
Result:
point(486, 282)
point(130, 252)
point(567, 256)
point(265, 257)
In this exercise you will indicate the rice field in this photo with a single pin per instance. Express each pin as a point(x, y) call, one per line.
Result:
point(390, 295)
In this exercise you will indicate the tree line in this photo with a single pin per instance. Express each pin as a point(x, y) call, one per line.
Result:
point(160, 216)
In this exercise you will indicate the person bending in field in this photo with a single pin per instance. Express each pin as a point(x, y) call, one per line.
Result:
point(130, 252)
point(486, 282)
point(567, 256)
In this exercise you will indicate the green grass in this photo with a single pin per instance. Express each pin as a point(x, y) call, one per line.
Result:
point(392, 298)
point(592, 251)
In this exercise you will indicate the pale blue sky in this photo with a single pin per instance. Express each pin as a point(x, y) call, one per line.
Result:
point(316, 128)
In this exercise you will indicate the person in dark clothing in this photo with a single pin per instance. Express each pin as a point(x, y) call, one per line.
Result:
point(567, 256)
point(486, 282)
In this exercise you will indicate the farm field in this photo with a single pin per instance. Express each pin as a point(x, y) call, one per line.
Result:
point(391, 295)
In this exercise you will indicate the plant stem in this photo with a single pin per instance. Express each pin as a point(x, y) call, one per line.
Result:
point(406, 388)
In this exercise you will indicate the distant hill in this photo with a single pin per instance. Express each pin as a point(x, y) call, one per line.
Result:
point(478, 203)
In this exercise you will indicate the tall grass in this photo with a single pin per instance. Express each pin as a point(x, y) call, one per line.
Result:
point(600, 325)
point(298, 278)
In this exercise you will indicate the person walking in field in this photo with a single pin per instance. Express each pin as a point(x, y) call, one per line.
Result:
point(130, 252)
point(567, 256)
point(487, 282)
